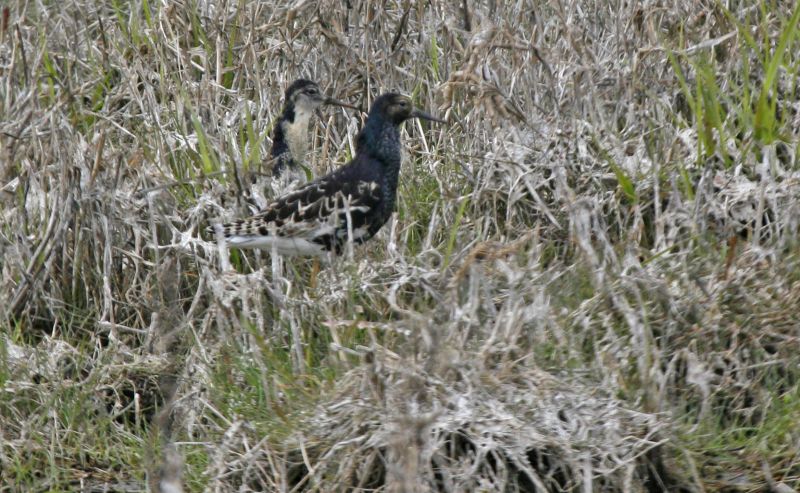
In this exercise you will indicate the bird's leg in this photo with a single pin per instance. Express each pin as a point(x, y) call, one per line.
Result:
point(312, 281)
point(733, 240)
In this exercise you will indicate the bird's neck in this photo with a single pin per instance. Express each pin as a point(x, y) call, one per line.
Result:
point(381, 141)
point(290, 138)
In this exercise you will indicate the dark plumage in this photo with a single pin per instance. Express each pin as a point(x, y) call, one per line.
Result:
point(354, 201)
point(290, 133)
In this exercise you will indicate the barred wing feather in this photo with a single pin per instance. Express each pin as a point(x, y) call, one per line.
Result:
point(317, 218)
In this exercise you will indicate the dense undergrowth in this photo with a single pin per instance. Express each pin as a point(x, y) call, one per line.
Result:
point(591, 282)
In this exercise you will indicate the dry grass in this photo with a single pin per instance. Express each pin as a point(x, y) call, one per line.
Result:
point(591, 283)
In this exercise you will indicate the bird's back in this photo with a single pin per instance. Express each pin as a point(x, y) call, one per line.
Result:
point(321, 215)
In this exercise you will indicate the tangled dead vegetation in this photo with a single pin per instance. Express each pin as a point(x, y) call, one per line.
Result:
point(590, 282)
point(485, 423)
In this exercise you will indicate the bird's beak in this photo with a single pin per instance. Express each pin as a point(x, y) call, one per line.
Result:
point(336, 102)
point(421, 114)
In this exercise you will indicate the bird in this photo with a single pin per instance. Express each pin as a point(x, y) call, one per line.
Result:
point(290, 133)
point(351, 203)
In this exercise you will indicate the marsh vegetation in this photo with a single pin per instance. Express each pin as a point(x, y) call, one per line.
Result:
point(591, 282)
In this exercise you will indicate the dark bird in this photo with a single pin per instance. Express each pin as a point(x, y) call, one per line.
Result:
point(353, 202)
point(290, 133)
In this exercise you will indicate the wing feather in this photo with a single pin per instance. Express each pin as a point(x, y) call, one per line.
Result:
point(318, 212)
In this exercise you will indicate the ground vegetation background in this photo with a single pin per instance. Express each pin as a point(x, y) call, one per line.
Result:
point(591, 282)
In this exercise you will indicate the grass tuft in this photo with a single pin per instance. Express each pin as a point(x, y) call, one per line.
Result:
point(590, 282)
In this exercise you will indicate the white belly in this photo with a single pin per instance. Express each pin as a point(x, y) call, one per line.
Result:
point(282, 246)
point(297, 136)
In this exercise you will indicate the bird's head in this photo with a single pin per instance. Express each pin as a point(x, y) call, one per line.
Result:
point(305, 95)
point(398, 108)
